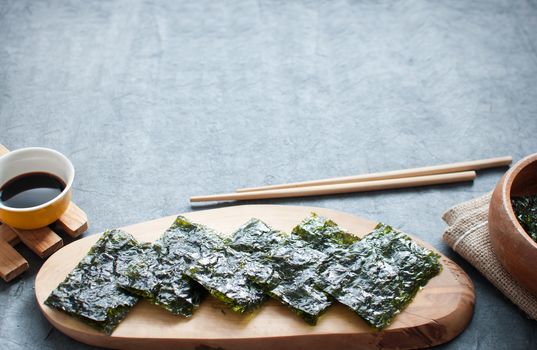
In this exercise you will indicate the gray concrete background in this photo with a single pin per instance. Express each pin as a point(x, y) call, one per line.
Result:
point(156, 101)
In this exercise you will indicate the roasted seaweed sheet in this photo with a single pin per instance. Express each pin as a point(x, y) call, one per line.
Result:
point(90, 291)
point(158, 274)
point(284, 267)
point(323, 234)
point(379, 275)
point(160, 280)
point(212, 264)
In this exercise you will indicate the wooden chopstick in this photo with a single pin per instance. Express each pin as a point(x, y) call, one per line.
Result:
point(320, 190)
point(395, 174)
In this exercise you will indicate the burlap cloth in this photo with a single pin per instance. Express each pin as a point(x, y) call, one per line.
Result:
point(468, 235)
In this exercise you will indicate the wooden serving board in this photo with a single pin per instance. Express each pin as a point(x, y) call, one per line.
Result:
point(440, 311)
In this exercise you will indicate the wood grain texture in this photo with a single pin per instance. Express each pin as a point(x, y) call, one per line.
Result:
point(74, 221)
point(7, 234)
point(321, 190)
point(12, 263)
point(440, 311)
point(512, 244)
point(395, 174)
point(42, 241)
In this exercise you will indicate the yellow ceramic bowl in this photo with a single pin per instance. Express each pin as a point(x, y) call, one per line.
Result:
point(29, 160)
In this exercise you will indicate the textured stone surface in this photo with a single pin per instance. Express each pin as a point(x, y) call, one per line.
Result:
point(155, 101)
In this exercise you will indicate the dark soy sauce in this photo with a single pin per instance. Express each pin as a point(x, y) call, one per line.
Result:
point(30, 189)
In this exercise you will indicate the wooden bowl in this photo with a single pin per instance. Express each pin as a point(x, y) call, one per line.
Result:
point(511, 243)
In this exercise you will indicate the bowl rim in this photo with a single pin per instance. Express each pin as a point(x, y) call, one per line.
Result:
point(510, 178)
point(21, 152)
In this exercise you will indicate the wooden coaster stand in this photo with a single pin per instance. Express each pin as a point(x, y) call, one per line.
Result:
point(43, 241)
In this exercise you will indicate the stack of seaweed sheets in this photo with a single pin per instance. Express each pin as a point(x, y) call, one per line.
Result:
point(316, 265)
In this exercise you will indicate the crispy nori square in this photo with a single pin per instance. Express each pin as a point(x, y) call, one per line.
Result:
point(285, 267)
point(221, 273)
point(212, 264)
point(295, 278)
point(90, 291)
point(379, 275)
point(159, 274)
point(323, 234)
point(185, 241)
point(152, 276)
point(525, 209)
point(255, 237)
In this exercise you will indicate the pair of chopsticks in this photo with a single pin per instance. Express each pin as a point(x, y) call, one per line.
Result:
point(430, 175)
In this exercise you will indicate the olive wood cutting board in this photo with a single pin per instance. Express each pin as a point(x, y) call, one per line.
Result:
point(439, 312)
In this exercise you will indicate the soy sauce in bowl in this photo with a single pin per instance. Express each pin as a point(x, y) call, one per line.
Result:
point(30, 190)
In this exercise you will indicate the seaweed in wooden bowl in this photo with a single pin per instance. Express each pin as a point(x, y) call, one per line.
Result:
point(511, 222)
